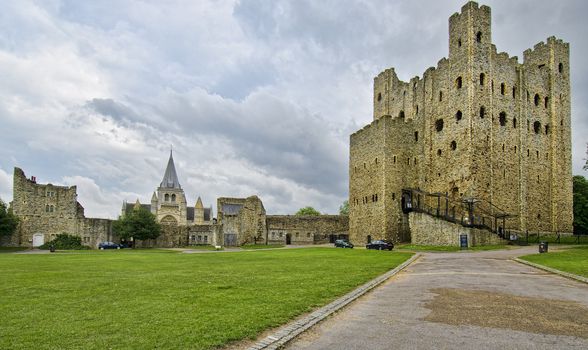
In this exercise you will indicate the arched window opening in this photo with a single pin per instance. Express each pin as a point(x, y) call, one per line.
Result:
point(416, 136)
point(439, 124)
point(453, 145)
point(458, 116)
point(459, 42)
point(514, 92)
point(379, 97)
point(167, 197)
point(417, 109)
point(503, 147)
point(546, 129)
point(502, 118)
point(560, 67)
point(536, 99)
point(515, 149)
point(376, 160)
point(408, 161)
point(401, 115)
point(482, 112)
point(479, 37)
point(458, 82)
point(502, 88)
point(440, 96)
point(528, 96)
point(537, 127)
point(394, 159)
point(173, 197)
point(47, 208)
point(528, 152)
point(537, 154)
point(546, 101)
point(514, 123)
point(439, 152)
point(482, 77)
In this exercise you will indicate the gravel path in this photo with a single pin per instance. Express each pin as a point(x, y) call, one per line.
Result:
point(481, 300)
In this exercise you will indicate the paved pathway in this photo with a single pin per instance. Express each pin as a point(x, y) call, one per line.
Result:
point(481, 300)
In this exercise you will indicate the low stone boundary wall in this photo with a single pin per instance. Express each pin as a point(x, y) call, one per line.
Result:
point(428, 230)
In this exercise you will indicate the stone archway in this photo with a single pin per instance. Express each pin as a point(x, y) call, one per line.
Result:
point(169, 220)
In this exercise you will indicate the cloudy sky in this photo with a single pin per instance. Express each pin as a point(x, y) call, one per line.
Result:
point(256, 97)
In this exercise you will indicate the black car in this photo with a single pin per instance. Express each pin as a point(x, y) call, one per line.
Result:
point(380, 245)
point(109, 245)
point(341, 243)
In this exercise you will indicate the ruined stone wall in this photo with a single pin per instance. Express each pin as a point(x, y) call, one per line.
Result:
point(307, 229)
point(481, 133)
point(427, 230)
point(249, 223)
point(50, 210)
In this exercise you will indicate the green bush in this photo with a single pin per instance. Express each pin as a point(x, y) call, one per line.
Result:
point(63, 241)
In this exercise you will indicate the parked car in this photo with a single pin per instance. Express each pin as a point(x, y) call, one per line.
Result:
point(109, 245)
point(341, 243)
point(380, 245)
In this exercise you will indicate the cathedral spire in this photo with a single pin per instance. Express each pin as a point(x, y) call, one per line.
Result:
point(170, 178)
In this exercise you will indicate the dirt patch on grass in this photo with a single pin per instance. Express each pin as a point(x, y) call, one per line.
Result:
point(495, 310)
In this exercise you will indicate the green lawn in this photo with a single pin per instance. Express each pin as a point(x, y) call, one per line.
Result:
point(152, 299)
point(573, 260)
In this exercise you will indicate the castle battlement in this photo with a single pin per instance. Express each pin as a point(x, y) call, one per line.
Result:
point(479, 123)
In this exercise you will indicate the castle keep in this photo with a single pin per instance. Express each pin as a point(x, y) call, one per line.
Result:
point(481, 140)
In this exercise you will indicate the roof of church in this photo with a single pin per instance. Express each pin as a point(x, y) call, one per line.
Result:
point(130, 206)
point(170, 178)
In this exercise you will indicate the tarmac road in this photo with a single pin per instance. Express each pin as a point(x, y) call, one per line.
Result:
point(480, 300)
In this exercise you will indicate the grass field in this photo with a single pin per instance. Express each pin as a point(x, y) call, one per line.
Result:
point(156, 299)
point(573, 260)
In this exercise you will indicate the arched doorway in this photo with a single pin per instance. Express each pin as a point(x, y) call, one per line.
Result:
point(169, 220)
point(288, 238)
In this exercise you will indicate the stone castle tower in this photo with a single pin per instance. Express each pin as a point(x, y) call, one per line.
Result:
point(479, 128)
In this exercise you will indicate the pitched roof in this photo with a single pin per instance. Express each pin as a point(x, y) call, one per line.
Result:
point(170, 178)
point(130, 206)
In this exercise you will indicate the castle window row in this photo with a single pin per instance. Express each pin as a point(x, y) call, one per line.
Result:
point(366, 199)
point(49, 208)
point(50, 194)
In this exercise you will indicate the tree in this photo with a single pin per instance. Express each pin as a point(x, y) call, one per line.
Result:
point(344, 208)
point(586, 165)
point(139, 224)
point(307, 211)
point(8, 222)
point(580, 204)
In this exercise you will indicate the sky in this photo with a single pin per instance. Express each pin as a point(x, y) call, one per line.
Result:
point(254, 97)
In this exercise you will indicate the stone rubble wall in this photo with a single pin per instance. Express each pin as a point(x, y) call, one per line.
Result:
point(306, 229)
point(428, 230)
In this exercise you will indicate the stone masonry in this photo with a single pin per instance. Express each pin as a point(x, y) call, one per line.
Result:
point(46, 210)
point(480, 125)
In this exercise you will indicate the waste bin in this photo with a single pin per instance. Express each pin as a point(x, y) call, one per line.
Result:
point(543, 247)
